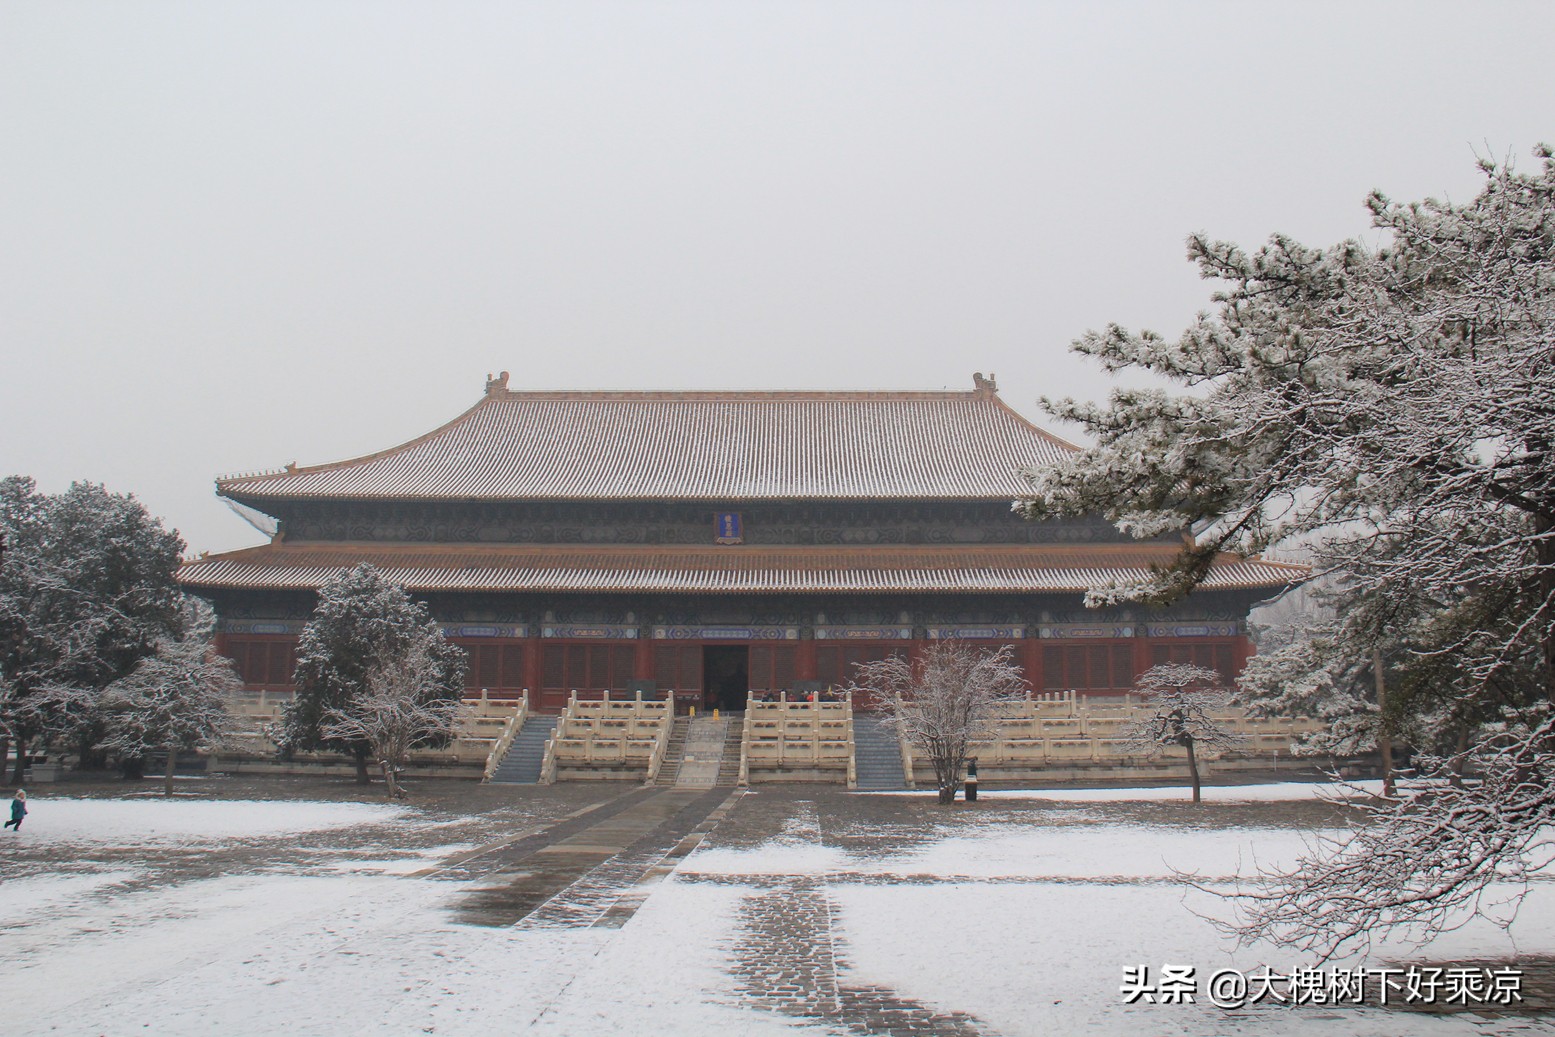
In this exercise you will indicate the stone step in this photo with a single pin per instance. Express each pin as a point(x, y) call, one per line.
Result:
point(521, 764)
point(877, 756)
point(674, 752)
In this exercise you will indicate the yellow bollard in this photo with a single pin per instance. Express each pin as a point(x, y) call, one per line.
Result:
point(693, 711)
point(715, 712)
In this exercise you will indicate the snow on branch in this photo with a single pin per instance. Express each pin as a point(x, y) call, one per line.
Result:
point(944, 700)
point(1420, 864)
point(397, 711)
point(1185, 707)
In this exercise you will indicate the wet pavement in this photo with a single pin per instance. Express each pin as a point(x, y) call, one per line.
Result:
point(440, 814)
point(587, 868)
point(581, 856)
point(790, 959)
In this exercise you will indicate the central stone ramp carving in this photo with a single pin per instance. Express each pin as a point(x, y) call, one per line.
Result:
point(704, 755)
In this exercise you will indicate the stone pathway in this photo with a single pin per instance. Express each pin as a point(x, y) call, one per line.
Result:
point(595, 869)
point(578, 873)
point(788, 959)
point(704, 752)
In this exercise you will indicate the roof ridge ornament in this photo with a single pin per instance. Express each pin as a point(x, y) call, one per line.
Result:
point(497, 384)
point(985, 386)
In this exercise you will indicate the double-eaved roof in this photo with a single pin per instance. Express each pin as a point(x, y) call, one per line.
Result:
point(724, 447)
point(728, 446)
point(975, 569)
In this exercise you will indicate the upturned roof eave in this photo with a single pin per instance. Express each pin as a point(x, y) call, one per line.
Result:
point(365, 478)
point(256, 500)
point(634, 568)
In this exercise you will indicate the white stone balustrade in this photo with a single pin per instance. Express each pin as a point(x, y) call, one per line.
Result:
point(800, 740)
point(608, 738)
point(480, 724)
point(1057, 731)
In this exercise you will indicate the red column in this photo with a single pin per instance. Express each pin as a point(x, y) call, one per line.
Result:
point(804, 662)
point(642, 661)
point(1243, 650)
point(534, 649)
point(1141, 655)
point(1029, 655)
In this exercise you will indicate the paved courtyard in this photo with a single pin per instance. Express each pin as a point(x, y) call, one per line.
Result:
point(261, 906)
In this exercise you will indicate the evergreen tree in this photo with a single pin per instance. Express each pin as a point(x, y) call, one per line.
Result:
point(1391, 409)
point(1181, 703)
point(363, 625)
point(87, 587)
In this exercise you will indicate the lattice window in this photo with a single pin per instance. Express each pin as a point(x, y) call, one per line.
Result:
point(772, 667)
point(493, 664)
point(1089, 667)
point(1219, 656)
point(263, 661)
point(588, 667)
point(834, 663)
point(678, 667)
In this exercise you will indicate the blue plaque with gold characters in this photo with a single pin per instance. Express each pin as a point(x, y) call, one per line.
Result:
point(727, 528)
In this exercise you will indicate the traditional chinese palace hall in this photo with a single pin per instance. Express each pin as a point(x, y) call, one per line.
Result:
point(717, 542)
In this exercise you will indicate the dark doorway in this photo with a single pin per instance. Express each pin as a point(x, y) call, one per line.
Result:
point(726, 676)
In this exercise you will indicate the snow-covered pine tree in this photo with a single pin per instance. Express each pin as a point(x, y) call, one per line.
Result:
point(1393, 409)
point(1180, 708)
point(175, 699)
point(1302, 670)
point(86, 589)
point(363, 625)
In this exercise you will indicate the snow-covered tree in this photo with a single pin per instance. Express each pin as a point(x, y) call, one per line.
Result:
point(947, 697)
point(86, 589)
point(175, 699)
point(1336, 661)
point(363, 626)
point(1181, 707)
point(1420, 863)
point(398, 711)
point(1392, 408)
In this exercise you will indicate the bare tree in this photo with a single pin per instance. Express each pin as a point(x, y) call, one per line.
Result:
point(363, 623)
point(1184, 700)
point(175, 699)
point(1419, 864)
point(398, 711)
point(943, 700)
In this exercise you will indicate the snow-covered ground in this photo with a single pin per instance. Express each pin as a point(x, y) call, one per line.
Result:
point(1273, 792)
point(153, 821)
point(1024, 924)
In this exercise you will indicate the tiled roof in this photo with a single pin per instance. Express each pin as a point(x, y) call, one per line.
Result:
point(719, 570)
point(731, 446)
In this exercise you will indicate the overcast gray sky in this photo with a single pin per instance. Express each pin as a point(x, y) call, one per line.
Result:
point(235, 235)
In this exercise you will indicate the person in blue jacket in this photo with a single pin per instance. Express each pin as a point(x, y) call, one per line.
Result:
point(18, 810)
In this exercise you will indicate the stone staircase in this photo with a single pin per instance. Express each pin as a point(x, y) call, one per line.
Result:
point(674, 753)
point(729, 766)
point(877, 755)
point(705, 745)
point(521, 765)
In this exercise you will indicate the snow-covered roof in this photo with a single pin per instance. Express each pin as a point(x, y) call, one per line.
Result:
point(731, 446)
point(1017, 568)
